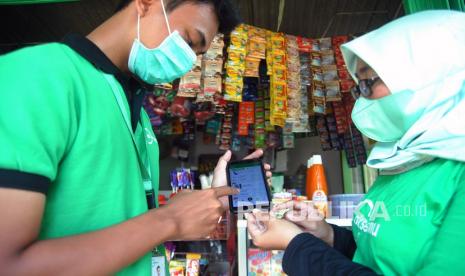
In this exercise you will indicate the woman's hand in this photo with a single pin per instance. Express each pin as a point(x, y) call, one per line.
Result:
point(270, 233)
point(308, 218)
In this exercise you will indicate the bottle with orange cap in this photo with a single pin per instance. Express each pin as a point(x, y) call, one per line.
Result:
point(316, 186)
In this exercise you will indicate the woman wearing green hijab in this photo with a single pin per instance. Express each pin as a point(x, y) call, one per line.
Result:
point(410, 94)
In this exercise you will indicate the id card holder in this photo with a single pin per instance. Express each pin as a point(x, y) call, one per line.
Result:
point(150, 194)
point(159, 262)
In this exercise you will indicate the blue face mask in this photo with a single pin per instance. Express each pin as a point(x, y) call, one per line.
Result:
point(169, 61)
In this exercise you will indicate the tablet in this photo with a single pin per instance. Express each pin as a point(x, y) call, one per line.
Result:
point(250, 178)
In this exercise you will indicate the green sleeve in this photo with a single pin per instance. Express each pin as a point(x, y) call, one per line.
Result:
point(35, 110)
point(447, 253)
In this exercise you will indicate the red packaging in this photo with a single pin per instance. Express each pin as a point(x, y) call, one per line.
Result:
point(305, 44)
point(346, 85)
point(338, 40)
point(181, 107)
point(343, 74)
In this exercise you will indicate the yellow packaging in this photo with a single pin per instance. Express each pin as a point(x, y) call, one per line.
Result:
point(278, 41)
point(193, 264)
point(279, 58)
point(279, 89)
point(177, 268)
point(279, 74)
point(233, 92)
point(252, 67)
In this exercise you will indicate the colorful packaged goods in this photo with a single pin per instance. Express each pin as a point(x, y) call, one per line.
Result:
point(340, 115)
point(256, 49)
point(325, 44)
point(246, 117)
point(251, 67)
point(177, 268)
point(260, 122)
point(278, 85)
point(226, 136)
point(236, 64)
point(193, 264)
point(216, 48)
point(293, 80)
point(259, 262)
point(333, 91)
point(305, 44)
point(277, 263)
point(190, 83)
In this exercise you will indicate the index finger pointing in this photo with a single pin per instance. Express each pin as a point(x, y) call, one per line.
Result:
point(225, 190)
point(254, 155)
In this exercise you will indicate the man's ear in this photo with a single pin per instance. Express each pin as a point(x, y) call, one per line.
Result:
point(143, 6)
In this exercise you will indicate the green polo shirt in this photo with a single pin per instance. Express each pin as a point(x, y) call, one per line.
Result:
point(59, 120)
point(412, 223)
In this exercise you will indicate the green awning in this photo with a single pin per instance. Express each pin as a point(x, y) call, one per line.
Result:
point(412, 6)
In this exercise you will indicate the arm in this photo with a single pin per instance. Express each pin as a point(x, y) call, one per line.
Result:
point(304, 254)
point(308, 255)
point(343, 241)
point(101, 252)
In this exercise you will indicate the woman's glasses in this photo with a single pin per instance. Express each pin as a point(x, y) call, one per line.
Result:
point(364, 88)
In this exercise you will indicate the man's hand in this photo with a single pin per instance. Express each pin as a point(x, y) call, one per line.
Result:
point(219, 175)
point(196, 213)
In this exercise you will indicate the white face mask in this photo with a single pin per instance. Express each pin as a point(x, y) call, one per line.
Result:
point(169, 61)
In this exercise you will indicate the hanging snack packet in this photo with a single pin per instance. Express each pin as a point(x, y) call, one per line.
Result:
point(343, 74)
point(319, 105)
point(333, 91)
point(190, 84)
point(212, 67)
point(338, 40)
point(316, 59)
point(346, 85)
point(340, 116)
point(256, 46)
point(327, 57)
point(325, 43)
point(305, 44)
point(329, 73)
point(318, 91)
point(279, 74)
point(251, 67)
point(211, 86)
point(216, 48)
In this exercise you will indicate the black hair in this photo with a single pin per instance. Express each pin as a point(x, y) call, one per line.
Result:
point(225, 11)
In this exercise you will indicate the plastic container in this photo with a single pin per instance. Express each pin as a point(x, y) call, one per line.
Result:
point(343, 205)
point(280, 198)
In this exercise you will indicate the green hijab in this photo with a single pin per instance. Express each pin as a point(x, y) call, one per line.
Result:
point(423, 54)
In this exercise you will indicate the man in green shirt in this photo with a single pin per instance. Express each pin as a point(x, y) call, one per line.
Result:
point(78, 156)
